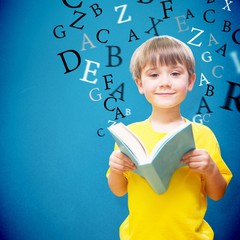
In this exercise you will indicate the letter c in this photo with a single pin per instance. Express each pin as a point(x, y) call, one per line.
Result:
point(214, 71)
point(105, 103)
point(204, 16)
point(98, 33)
point(99, 132)
point(204, 117)
point(70, 6)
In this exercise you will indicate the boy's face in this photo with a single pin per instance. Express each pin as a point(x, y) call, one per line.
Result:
point(165, 86)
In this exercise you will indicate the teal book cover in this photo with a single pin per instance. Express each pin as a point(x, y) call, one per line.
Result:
point(158, 166)
point(65, 79)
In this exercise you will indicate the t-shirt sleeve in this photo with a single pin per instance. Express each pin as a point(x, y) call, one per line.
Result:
point(223, 168)
point(205, 139)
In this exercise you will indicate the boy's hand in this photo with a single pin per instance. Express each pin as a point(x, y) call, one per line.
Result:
point(200, 161)
point(120, 163)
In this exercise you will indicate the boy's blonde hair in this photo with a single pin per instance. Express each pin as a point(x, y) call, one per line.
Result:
point(161, 50)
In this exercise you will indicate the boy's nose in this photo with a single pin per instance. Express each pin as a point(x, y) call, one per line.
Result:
point(164, 80)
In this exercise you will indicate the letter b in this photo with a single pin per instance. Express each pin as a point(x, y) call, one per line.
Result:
point(116, 55)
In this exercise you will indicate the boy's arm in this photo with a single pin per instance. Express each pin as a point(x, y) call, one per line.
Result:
point(119, 163)
point(117, 183)
point(215, 183)
point(200, 161)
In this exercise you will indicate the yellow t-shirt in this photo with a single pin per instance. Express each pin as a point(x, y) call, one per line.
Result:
point(177, 214)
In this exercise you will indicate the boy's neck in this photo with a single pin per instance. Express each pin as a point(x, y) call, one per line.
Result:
point(166, 120)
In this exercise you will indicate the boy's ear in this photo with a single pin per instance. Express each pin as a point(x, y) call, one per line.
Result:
point(191, 81)
point(139, 85)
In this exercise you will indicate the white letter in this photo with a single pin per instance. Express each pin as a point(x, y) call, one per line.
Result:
point(228, 3)
point(200, 32)
point(200, 116)
point(86, 42)
point(203, 78)
point(236, 61)
point(128, 112)
point(212, 39)
point(181, 23)
point(214, 71)
point(99, 95)
point(87, 70)
point(209, 58)
point(120, 20)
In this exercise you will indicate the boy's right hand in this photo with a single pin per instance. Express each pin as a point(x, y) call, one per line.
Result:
point(120, 163)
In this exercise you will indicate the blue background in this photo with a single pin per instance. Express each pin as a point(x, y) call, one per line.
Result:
point(53, 162)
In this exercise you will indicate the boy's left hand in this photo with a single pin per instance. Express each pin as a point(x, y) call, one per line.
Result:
point(199, 160)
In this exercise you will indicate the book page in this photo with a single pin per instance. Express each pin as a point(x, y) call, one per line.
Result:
point(130, 140)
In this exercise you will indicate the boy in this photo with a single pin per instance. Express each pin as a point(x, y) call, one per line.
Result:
point(163, 69)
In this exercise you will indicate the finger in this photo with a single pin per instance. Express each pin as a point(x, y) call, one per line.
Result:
point(121, 162)
point(193, 155)
point(119, 167)
point(191, 159)
point(127, 161)
point(189, 154)
point(194, 165)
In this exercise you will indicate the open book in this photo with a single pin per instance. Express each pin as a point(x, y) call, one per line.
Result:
point(158, 167)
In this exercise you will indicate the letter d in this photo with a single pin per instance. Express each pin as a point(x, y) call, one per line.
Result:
point(76, 54)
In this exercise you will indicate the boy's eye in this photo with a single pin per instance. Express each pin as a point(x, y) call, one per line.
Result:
point(153, 75)
point(175, 74)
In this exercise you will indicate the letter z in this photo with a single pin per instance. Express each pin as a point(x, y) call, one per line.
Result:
point(196, 36)
point(120, 19)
